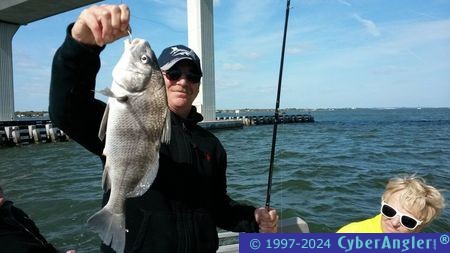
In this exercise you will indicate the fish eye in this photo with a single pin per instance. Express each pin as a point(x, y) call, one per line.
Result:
point(144, 58)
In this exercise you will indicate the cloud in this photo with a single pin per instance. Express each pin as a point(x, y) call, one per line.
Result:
point(227, 83)
point(253, 55)
point(389, 70)
point(405, 59)
point(344, 2)
point(427, 31)
point(233, 66)
point(368, 24)
point(299, 49)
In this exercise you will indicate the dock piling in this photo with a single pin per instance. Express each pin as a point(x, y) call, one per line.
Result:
point(16, 133)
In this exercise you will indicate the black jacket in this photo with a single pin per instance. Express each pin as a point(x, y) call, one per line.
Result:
point(188, 199)
point(19, 234)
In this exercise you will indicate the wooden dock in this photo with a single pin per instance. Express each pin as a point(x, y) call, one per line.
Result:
point(270, 119)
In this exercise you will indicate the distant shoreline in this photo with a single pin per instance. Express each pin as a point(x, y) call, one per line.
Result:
point(325, 109)
point(44, 114)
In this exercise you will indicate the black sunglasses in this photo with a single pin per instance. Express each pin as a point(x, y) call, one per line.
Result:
point(407, 221)
point(175, 74)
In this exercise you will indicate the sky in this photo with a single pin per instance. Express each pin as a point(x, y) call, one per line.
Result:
point(339, 53)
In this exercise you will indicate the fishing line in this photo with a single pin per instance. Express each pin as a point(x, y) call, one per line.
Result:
point(130, 35)
point(277, 105)
point(148, 20)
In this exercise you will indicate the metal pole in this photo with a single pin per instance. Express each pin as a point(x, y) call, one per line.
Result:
point(277, 105)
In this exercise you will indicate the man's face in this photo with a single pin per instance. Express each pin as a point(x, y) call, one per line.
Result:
point(181, 90)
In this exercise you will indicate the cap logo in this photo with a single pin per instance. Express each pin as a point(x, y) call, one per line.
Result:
point(181, 51)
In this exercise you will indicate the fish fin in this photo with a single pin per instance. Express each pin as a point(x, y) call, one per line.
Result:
point(109, 93)
point(110, 227)
point(148, 178)
point(106, 182)
point(102, 129)
point(165, 137)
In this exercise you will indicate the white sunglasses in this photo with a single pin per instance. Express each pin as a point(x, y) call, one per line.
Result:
point(407, 221)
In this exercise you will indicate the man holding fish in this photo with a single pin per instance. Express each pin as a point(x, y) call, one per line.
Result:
point(165, 176)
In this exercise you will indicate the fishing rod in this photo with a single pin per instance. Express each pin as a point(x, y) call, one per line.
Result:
point(277, 105)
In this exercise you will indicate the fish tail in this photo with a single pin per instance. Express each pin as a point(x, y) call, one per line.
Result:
point(110, 227)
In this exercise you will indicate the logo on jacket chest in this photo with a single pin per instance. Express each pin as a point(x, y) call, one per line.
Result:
point(207, 156)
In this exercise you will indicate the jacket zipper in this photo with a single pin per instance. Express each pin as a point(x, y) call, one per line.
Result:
point(28, 231)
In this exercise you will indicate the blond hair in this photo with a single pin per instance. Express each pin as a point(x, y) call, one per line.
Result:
point(416, 197)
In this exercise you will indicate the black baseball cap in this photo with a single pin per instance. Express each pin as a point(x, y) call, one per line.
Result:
point(171, 55)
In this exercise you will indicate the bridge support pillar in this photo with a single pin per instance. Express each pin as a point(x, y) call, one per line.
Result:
point(7, 32)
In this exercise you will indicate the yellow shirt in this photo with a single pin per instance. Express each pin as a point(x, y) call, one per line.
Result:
point(372, 225)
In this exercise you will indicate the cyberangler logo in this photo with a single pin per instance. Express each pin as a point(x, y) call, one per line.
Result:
point(386, 243)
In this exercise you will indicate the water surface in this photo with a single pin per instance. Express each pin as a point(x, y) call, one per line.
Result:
point(329, 173)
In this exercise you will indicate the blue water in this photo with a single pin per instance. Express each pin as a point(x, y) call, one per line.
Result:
point(329, 173)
